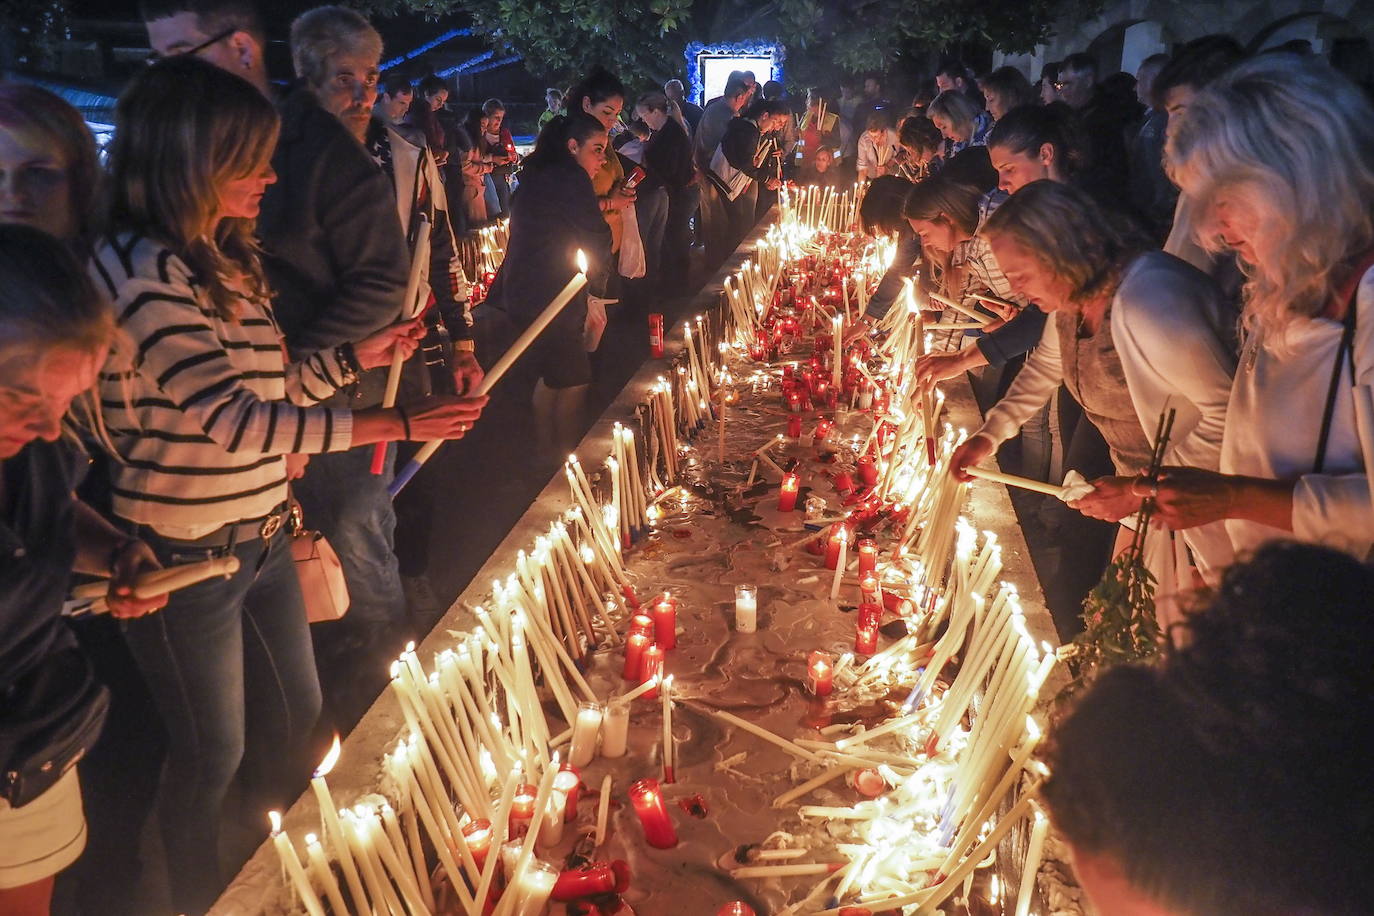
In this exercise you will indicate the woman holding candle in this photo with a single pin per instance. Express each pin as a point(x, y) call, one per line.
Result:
point(55, 332)
point(1286, 180)
point(198, 426)
point(1232, 779)
point(555, 214)
point(1134, 332)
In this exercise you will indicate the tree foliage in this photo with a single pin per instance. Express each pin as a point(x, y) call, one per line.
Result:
point(824, 39)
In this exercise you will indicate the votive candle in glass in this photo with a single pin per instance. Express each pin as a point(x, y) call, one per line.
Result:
point(746, 609)
point(647, 799)
point(787, 494)
point(820, 669)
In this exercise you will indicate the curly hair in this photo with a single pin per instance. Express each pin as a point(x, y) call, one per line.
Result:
point(1232, 779)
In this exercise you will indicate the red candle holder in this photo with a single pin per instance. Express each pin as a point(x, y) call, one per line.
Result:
point(824, 427)
point(844, 484)
point(647, 799)
point(651, 670)
point(665, 623)
point(865, 640)
point(635, 644)
point(522, 809)
point(870, 614)
point(477, 834)
point(787, 493)
point(794, 401)
point(794, 423)
point(867, 467)
point(736, 908)
point(569, 782)
point(839, 536)
point(868, 556)
point(868, 589)
point(643, 624)
point(820, 669)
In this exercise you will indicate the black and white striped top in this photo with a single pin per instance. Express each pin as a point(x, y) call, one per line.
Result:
point(201, 409)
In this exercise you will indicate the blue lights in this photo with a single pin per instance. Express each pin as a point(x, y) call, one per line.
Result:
point(427, 46)
point(709, 64)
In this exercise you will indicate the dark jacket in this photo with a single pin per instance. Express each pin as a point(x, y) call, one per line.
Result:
point(741, 144)
point(333, 246)
point(554, 213)
point(691, 113)
point(668, 157)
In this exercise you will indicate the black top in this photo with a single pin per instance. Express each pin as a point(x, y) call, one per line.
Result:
point(741, 144)
point(334, 251)
point(37, 549)
point(668, 157)
point(554, 212)
point(691, 113)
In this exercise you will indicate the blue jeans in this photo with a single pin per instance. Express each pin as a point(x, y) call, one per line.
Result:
point(230, 666)
point(343, 499)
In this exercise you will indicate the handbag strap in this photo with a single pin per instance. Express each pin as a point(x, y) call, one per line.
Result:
point(1347, 345)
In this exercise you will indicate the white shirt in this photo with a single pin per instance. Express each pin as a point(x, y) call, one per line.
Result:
point(1273, 424)
point(873, 156)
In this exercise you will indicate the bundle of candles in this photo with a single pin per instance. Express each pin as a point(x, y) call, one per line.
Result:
point(478, 808)
point(484, 257)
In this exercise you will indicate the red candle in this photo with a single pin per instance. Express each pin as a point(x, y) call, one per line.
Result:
point(868, 556)
point(868, 470)
point(865, 639)
point(569, 782)
point(869, 783)
point(787, 495)
point(591, 880)
point(839, 535)
point(844, 484)
point(642, 624)
point(794, 400)
point(665, 623)
point(477, 834)
point(870, 614)
point(635, 645)
point(819, 389)
point(794, 423)
point(651, 669)
point(823, 428)
point(647, 799)
point(820, 668)
point(736, 908)
point(868, 589)
point(522, 809)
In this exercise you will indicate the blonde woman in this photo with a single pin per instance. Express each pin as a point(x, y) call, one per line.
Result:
point(202, 412)
point(960, 119)
point(1278, 156)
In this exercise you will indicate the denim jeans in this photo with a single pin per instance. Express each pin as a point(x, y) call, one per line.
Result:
point(349, 504)
point(230, 666)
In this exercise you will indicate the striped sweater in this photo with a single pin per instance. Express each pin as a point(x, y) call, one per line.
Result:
point(201, 410)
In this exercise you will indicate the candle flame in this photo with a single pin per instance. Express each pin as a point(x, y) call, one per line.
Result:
point(274, 818)
point(581, 261)
point(327, 764)
point(312, 840)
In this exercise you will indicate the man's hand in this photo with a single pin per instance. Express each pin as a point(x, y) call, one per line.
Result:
point(133, 560)
point(377, 350)
point(1112, 499)
point(467, 372)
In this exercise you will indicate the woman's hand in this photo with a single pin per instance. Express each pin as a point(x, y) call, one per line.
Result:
point(467, 372)
point(443, 416)
point(857, 328)
point(296, 465)
point(595, 325)
point(620, 198)
point(973, 451)
point(1113, 498)
point(937, 367)
point(1189, 497)
point(376, 350)
point(134, 559)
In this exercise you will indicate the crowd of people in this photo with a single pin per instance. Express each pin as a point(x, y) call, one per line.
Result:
point(195, 336)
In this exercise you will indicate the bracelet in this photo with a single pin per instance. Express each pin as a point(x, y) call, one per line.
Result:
point(405, 423)
point(465, 345)
point(348, 362)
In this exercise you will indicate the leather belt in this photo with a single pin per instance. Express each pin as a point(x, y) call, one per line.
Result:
point(239, 532)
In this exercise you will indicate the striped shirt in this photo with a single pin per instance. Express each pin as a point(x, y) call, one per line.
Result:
point(201, 410)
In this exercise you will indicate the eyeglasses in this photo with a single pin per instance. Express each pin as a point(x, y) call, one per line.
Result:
point(155, 56)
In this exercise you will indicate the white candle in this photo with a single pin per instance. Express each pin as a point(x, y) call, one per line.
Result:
point(667, 696)
point(292, 863)
point(746, 609)
point(551, 831)
point(319, 867)
point(335, 831)
point(615, 729)
point(1034, 849)
point(603, 808)
point(535, 887)
point(585, 730)
point(839, 569)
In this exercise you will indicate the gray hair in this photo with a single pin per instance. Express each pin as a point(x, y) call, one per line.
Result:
point(326, 31)
point(1291, 141)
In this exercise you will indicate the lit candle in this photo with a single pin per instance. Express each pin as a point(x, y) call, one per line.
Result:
point(569, 782)
point(651, 671)
point(746, 609)
point(551, 828)
point(839, 539)
point(641, 623)
point(634, 656)
point(868, 470)
point(334, 829)
point(477, 834)
point(665, 623)
point(535, 887)
point(787, 495)
point(292, 863)
point(615, 729)
point(1034, 850)
point(647, 799)
point(585, 730)
point(820, 668)
point(522, 809)
point(824, 427)
point(319, 867)
point(865, 639)
point(736, 908)
point(868, 589)
point(868, 556)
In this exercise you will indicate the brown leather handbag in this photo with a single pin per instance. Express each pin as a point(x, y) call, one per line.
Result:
point(319, 570)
